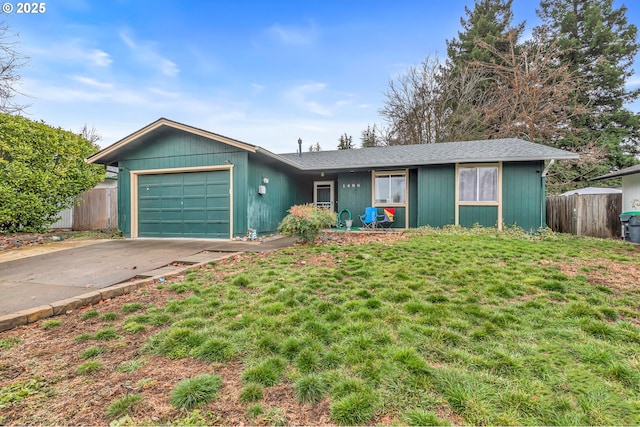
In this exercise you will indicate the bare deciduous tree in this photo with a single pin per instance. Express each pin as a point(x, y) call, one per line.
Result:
point(413, 105)
point(10, 62)
point(429, 103)
point(532, 95)
point(91, 135)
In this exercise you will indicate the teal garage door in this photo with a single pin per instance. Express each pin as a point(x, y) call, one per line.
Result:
point(190, 204)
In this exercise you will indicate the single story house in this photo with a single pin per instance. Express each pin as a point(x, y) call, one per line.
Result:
point(176, 180)
point(630, 186)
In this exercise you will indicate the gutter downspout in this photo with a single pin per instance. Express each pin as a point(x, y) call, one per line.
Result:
point(543, 204)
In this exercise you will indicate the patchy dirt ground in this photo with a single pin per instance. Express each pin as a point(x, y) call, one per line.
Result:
point(53, 355)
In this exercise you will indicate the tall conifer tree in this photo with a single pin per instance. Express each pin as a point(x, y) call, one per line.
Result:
point(600, 45)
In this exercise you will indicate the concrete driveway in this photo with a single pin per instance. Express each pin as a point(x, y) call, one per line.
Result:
point(42, 280)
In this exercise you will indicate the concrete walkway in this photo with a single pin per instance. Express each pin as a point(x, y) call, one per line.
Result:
point(53, 282)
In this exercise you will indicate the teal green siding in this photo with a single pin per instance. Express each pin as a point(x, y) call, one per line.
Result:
point(264, 212)
point(124, 202)
point(523, 195)
point(486, 216)
point(413, 198)
point(436, 195)
point(176, 149)
point(354, 193)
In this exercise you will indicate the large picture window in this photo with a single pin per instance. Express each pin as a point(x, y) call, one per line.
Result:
point(390, 188)
point(478, 184)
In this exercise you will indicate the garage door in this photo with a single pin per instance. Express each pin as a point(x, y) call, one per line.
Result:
point(191, 204)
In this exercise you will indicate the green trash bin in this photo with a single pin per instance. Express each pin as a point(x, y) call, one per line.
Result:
point(631, 226)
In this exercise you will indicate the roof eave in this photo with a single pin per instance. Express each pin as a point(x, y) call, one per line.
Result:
point(267, 153)
point(113, 148)
point(439, 162)
point(614, 175)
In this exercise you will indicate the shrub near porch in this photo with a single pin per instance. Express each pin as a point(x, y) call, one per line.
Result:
point(306, 222)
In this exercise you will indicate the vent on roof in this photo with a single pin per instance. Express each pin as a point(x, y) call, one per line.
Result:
point(299, 147)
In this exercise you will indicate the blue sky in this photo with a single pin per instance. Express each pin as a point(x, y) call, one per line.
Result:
point(263, 72)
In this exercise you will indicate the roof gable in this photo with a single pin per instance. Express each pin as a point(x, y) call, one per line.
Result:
point(113, 152)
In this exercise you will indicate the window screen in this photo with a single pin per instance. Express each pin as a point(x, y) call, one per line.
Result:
point(390, 188)
point(478, 184)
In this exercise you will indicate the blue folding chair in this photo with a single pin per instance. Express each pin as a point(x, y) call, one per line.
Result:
point(370, 218)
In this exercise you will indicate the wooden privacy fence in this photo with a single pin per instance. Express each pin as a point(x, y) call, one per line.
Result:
point(595, 215)
point(96, 209)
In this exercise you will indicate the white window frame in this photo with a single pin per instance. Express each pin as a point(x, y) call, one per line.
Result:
point(377, 174)
point(497, 203)
point(331, 185)
point(404, 205)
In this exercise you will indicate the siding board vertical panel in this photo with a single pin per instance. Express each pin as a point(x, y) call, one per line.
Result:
point(436, 195)
point(522, 191)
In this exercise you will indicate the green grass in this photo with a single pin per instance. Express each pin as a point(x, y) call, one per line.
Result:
point(131, 307)
point(110, 317)
point(90, 314)
point(123, 406)
point(18, 391)
point(89, 367)
point(130, 365)
point(50, 324)
point(7, 343)
point(193, 392)
point(251, 393)
point(92, 352)
point(106, 334)
point(310, 388)
point(481, 325)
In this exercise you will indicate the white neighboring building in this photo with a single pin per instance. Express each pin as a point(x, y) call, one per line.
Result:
point(630, 186)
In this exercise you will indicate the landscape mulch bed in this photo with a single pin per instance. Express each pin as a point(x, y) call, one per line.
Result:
point(11, 241)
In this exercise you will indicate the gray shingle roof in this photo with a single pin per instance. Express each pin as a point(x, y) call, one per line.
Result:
point(623, 172)
point(493, 150)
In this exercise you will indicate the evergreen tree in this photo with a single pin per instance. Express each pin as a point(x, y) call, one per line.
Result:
point(315, 147)
point(370, 137)
point(345, 142)
point(490, 21)
point(600, 45)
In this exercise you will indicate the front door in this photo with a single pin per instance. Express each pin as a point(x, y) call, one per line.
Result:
point(323, 194)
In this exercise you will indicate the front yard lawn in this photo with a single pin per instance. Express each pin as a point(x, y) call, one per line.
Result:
point(436, 327)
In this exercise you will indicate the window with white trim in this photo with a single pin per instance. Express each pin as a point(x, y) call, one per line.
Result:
point(390, 188)
point(478, 184)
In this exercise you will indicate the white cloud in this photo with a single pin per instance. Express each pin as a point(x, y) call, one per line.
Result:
point(147, 54)
point(163, 92)
point(127, 40)
point(69, 51)
point(100, 58)
point(92, 82)
point(292, 35)
point(299, 95)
